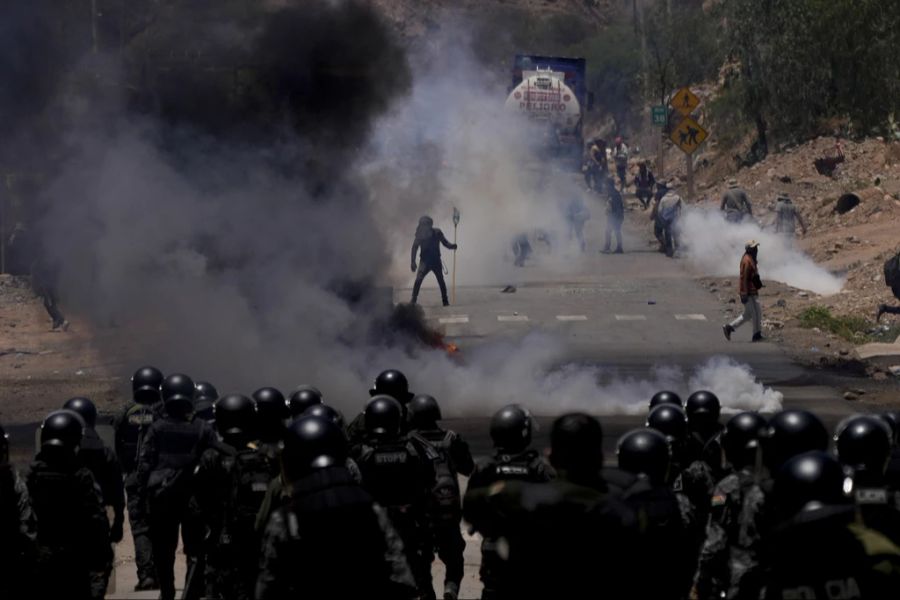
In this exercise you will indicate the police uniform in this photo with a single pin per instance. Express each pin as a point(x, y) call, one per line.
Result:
point(101, 461)
point(527, 466)
point(73, 530)
point(230, 485)
point(332, 541)
point(730, 559)
point(168, 456)
point(398, 474)
point(129, 431)
point(556, 539)
point(18, 530)
point(827, 554)
point(445, 509)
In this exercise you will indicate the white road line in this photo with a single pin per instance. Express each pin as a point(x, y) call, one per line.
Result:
point(512, 318)
point(571, 317)
point(454, 319)
point(691, 317)
point(631, 318)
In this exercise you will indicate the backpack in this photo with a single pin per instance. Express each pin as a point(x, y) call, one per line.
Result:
point(444, 500)
point(892, 271)
point(251, 473)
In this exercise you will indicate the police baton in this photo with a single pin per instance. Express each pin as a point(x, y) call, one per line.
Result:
point(453, 278)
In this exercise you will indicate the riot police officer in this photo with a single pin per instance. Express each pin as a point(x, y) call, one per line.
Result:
point(331, 540)
point(570, 527)
point(399, 475)
point(73, 530)
point(863, 445)
point(204, 398)
point(705, 431)
point(271, 414)
point(101, 461)
point(729, 559)
point(302, 398)
point(230, 484)
point(664, 535)
point(819, 550)
point(665, 397)
point(18, 528)
point(513, 459)
point(130, 428)
point(391, 383)
point(168, 456)
point(691, 480)
point(445, 509)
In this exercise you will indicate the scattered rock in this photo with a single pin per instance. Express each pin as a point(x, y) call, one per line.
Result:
point(781, 303)
point(850, 396)
point(803, 294)
point(843, 352)
point(895, 370)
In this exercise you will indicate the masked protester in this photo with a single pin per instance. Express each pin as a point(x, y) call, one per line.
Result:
point(428, 243)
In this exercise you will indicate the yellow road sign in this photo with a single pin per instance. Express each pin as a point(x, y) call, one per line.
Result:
point(688, 135)
point(685, 101)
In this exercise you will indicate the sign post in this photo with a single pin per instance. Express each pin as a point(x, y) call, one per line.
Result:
point(688, 134)
point(453, 279)
point(658, 117)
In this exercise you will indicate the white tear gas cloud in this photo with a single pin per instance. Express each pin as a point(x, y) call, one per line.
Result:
point(534, 371)
point(714, 247)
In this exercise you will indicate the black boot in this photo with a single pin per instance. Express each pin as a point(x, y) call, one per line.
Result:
point(757, 337)
point(728, 329)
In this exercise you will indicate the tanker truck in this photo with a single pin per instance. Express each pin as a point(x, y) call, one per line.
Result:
point(551, 92)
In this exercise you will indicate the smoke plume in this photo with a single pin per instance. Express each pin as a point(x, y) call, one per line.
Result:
point(714, 247)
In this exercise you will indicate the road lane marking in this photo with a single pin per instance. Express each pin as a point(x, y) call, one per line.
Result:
point(571, 317)
point(512, 318)
point(691, 317)
point(454, 319)
point(631, 318)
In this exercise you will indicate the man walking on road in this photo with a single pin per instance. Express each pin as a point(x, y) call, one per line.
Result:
point(735, 203)
point(750, 285)
point(787, 218)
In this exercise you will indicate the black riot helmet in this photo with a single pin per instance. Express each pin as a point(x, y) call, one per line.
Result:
point(576, 445)
point(62, 429)
point(665, 397)
point(392, 383)
point(204, 390)
point(703, 409)
point(145, 384)
point(302, 398)
point(744, 435)
point(644, 452)
point(793, 432)
point(424, 412)
point(511, 428)
point(85, 408)
point(863, 443)
point(271, 407)
point(4, 446)
point(178, 393)
point(892, 418)
point(383, 417)
point(312, 443)
point(669, 420)
point(326, 412)
point(235, 417)
point(807, 481)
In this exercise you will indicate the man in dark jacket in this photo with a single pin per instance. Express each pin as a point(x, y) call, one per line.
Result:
point(615, 215)
point(428, 242)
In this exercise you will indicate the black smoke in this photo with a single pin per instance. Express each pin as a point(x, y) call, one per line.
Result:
point(207, 206)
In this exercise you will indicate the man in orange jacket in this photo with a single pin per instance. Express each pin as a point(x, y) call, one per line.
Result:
point(750, 285)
